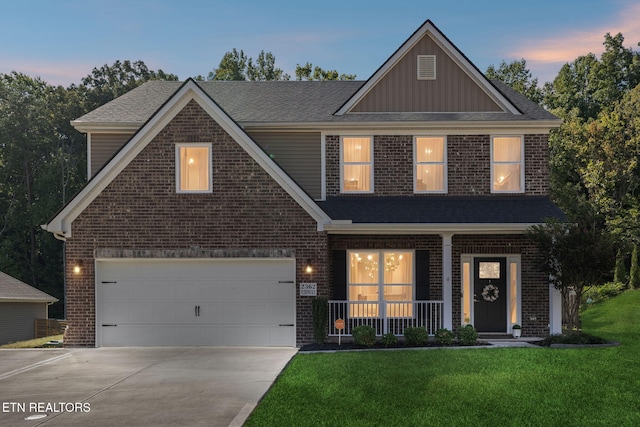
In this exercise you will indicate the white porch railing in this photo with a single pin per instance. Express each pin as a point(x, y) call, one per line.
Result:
point(386, 317)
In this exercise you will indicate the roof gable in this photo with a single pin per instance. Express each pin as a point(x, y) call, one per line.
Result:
point(60, 225)
point(458, 85)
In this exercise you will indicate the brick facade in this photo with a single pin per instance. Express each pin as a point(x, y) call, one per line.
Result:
point(468, 164)
point(140, 209)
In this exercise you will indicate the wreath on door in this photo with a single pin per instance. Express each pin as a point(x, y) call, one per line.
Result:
point(490, 293)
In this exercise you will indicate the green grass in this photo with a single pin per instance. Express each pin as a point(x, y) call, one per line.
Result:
point(35, 343)
point(470, 387)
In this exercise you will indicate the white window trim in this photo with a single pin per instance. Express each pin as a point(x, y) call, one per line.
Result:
point(445, 164)
point(521, 191)
point(342, 164)
point(382, 313)
point(194, 145)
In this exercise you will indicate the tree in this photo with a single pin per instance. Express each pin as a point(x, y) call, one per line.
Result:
point(590, 85)
point(571, 89)
point(575, 256)
point(233, 66)
point(236, 65)
point(620, 273)
point(32, 180)
point(309, 72)
point(599, 160)
point(517, 76)
point(264, 68)
point(111, 81)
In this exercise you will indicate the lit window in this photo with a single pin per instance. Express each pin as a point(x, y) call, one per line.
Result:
point(507, 164)
point(357, 165)
point(388, 273)
point(430, 173)
point(193, 171)
point(513, 294)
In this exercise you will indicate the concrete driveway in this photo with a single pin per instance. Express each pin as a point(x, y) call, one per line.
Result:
point(172, 386)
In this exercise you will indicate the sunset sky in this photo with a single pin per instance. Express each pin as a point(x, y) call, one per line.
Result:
point(62, 41)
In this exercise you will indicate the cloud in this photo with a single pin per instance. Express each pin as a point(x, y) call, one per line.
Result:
point(550, 53)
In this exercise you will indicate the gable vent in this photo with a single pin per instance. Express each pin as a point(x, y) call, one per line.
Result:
point(426, 67)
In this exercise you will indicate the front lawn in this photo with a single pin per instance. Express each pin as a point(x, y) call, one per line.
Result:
point(474, 387)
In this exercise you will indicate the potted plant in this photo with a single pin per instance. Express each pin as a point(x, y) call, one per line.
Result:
point(516, 330)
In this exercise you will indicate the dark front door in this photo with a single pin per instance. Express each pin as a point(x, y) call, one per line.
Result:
point(490, 294)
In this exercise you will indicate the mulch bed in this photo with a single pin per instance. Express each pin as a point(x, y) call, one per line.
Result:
point(331, 346)
point(575, 340)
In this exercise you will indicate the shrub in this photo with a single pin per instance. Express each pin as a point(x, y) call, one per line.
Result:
point(416, 336)
point(444, 336)
point(320, 310)
point(364, 335)
point(467, 335)
point(389, 340)
point(599, 293)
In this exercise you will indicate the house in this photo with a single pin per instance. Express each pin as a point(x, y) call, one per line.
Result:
point(20, 306)
point(216, 211)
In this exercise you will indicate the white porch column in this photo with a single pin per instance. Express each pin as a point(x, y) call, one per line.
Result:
point(447, 285)
point(555, 310)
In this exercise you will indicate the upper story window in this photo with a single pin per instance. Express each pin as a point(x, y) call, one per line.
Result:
point(507, 164)
point(357, 165)
point(193, 168)
point(430, 171)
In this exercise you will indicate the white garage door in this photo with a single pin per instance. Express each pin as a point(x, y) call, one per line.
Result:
point(229, 302)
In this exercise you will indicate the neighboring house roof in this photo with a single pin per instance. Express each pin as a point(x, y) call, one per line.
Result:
point(13, 290)
point(442, 209)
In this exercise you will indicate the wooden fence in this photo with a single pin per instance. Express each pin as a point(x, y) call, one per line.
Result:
point(48, 327)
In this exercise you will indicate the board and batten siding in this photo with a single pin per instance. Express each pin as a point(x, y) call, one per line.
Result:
point(298, 154)
point(17, 320)
point(451, 91)
point(103, 146)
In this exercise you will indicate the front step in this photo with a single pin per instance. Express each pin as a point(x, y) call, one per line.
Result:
point(494, 336)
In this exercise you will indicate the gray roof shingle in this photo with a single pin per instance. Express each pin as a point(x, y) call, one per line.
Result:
point(441, 209)
point(290, 102)
point(12, 289)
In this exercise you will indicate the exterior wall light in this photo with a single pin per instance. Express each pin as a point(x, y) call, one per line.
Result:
point(308, 269)
point(77, 267)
